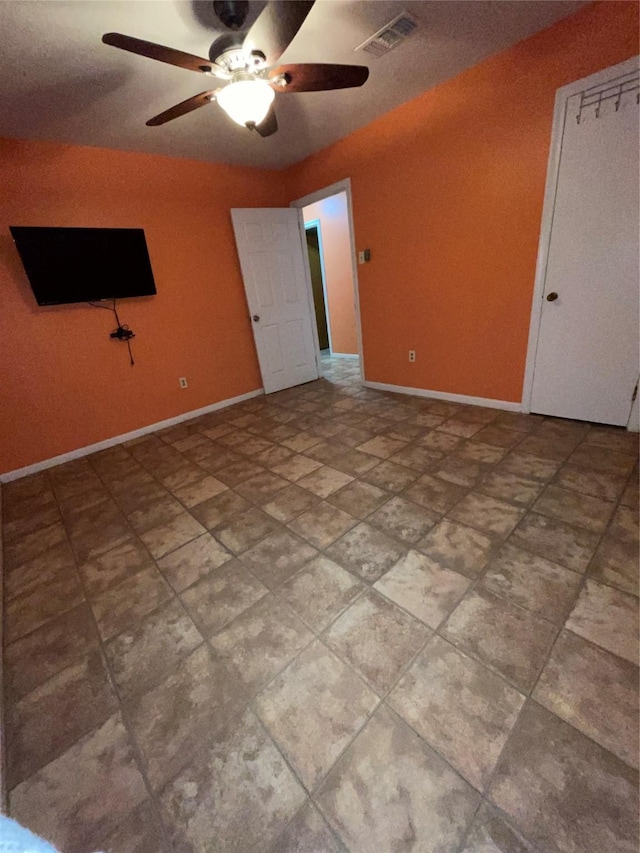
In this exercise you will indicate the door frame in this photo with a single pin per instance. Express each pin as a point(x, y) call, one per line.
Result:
point(553, 170)
point(326, 192)
point(315, 223)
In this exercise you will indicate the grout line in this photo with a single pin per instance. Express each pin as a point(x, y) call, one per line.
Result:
point(474, 583)
point(319, 636)
point(264, 409)
point(562, 626)
point(465, 835)
point(510, 823)
point(137, 753)
point(275, 847)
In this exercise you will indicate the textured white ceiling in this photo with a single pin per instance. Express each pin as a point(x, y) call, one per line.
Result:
point(59, 82)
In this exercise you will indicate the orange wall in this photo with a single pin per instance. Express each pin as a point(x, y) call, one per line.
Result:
point(63, 382)
point(447, 193)
point(336, 250)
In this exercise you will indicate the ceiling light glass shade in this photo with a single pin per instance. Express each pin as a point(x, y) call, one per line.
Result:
point(246, 101)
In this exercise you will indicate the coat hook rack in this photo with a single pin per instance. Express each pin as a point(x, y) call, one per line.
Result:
point(596, 96)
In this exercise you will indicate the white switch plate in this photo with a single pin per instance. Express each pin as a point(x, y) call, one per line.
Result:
point(360, 257)
point(183, 382)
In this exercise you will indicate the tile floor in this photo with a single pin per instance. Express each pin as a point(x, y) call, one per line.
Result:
point(329, 620)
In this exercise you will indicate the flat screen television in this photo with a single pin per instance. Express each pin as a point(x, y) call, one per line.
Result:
point(67, 265)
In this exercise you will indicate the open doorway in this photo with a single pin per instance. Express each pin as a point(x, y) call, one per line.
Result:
point(332, 277)
point(318, 284)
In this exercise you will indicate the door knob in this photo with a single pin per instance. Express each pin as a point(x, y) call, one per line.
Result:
point(256, 318)
point(551, 297)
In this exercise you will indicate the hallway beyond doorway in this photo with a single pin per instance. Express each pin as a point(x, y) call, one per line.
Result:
point(341, 371)
point(332, 270)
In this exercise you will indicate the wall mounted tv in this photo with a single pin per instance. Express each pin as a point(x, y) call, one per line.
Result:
point(67, 265)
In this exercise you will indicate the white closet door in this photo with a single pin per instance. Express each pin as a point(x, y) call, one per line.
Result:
point(587, 355)
point(273, 269)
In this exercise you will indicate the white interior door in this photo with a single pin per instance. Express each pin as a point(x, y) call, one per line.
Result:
point(586, 362)
point(273, 269)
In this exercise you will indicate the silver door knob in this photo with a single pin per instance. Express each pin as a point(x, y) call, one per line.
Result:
point(256, 318)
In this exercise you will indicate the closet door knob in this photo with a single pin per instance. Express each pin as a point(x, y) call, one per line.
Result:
point(551, 297)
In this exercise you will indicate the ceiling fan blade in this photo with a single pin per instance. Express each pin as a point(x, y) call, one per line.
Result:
point(159, 52)
point(316, 77)
point(268, 125)
point(276, 27)
point(183, 108)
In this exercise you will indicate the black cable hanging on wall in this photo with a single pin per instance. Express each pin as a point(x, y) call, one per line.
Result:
point(122, 333)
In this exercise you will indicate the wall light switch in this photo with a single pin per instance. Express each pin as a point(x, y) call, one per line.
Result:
point(360, 257)
point(364, 257)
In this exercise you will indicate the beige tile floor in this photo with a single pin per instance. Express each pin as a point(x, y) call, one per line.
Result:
point(329, 620)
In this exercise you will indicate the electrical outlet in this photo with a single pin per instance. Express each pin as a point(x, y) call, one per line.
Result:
point(412, 355)
point(183, 382)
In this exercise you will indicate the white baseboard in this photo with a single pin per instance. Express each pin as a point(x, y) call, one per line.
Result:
point(344, 355)
point(127, 436)
point(488, 402)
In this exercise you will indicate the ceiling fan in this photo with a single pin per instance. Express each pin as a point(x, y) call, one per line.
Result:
point(248, 68)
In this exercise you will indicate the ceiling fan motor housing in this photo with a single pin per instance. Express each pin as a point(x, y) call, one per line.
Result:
point(232, 13)
point(227, 53)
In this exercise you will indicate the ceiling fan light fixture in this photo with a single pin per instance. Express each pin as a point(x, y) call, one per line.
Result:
point(246, 101)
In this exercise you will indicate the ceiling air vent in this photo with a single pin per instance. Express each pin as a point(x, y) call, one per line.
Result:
point(390, 35)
